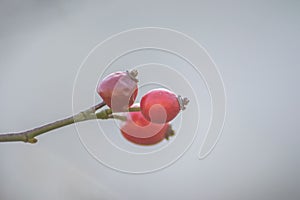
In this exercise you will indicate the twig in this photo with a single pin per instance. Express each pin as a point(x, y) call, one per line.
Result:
point(89, 114)
point(29, 135)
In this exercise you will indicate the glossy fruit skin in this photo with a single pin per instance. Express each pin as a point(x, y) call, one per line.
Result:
point(160, 105)
point(140, 131)
point(118, 90)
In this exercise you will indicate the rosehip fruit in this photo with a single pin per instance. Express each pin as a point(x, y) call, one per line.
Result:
point(140, 131)
point(119, 90)
point(161, 105)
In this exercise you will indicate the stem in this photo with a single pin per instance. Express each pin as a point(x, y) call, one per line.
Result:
point(29, 135)
point(89, 114)
point(119, 117)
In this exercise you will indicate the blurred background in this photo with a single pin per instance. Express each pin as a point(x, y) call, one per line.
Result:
point(255, 45)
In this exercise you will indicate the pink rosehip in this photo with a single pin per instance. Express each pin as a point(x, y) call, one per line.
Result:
point(140, 131)
point(119, 90)
point(161, 105)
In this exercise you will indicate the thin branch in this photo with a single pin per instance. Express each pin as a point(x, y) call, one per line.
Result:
point(89, 114)
point(29, 135)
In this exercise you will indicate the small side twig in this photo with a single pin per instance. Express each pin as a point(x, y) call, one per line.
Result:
point(98, 106)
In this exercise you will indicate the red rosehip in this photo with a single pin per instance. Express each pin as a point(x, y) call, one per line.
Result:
point(119, 90)
point(138, 130)
point(161, 105)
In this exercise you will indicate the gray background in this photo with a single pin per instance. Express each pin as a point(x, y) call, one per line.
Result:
point(256, 47)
